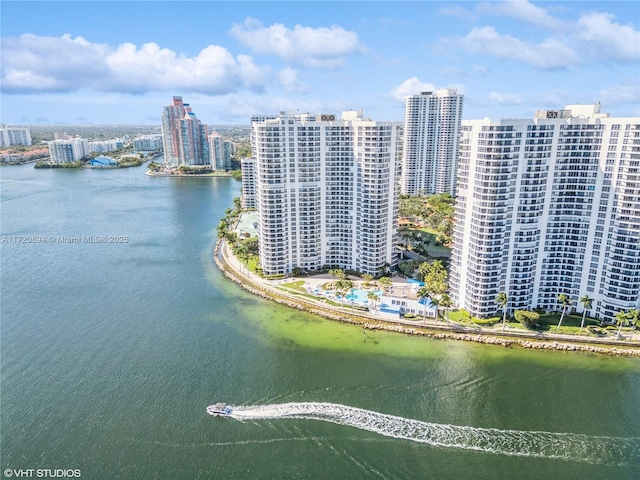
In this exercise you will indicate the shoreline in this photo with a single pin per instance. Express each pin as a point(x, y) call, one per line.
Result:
point(442, 332)
point(196, 175)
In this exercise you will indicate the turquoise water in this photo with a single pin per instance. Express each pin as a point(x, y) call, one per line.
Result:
point(110, 353)
point(360, 296)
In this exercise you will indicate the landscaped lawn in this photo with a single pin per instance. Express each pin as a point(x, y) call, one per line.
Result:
point(252, 264)
point(297, 286)
point(456, 316)
point(548, 323)
point(570, 323)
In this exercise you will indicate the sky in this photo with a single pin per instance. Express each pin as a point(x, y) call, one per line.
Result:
point(120, 62)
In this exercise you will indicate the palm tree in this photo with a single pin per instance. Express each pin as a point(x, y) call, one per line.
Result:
point(383, 270)
point(446, 302)
point(587, 303)
point(342, 286)
point(621, 318)
point(423, 293)
point(237, 204)
point(223, 228)
point(384, 282)
point(373, 300)
point(502, 300)
point(336, 272)
point(367, 277)
point(436, 302)
point(566, 302)
point(634, 318)
point(242, 253)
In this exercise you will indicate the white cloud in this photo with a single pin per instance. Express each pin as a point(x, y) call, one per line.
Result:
point(411, 86)
point(593, 37)
point(288, 80)
point(459, 12)
point(323, 47)
point(621, 95)
point(521, 10)
point(505, 98)
point(63, 64)
point(391, 21)
point(607, 40)
point(549, 54)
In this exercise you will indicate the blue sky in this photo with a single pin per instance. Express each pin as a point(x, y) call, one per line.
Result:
point(120, 62)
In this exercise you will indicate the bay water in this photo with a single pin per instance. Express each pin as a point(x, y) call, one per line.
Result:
point(117, 330)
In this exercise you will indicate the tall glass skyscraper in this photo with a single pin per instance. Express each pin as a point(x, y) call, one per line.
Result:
point(184, 138)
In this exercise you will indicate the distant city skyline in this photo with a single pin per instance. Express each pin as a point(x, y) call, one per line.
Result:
point(235, 59)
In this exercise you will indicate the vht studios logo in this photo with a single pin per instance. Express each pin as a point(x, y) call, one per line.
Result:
point(42, 473)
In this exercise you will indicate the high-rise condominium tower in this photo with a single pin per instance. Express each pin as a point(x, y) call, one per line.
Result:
point(249, 195)
point(430, 149)
point(548, 206)
point(184, 137)
point(10, 135)
point(68, 151)
point(326, 192)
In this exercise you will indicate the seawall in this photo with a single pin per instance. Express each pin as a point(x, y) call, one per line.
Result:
point(366, 322)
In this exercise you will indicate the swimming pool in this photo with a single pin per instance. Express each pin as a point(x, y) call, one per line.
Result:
point(360, 296)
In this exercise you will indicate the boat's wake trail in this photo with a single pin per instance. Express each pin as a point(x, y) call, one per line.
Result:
point(568, 446)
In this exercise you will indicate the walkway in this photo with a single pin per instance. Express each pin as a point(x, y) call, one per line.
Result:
point(398, 285)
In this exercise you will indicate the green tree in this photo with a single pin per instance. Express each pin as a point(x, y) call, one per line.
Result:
point(384, 269)
point(231, 238)
point(373, 300)
point(367, 278)
point(244, 151)
point(566, 302)
point(528, 319)
point(337, 272)
point(587, 303)
point(621, 319)
point(423, 294)
point(384, 282)
point(502, 300)
point(446, 303)
point(242, 253)
point(634, 318)
point(342, 287)
point(433, 273)
point(436, 303)
point(251, 244)
point(407, 268)
point(237, 204)
point(223, 228)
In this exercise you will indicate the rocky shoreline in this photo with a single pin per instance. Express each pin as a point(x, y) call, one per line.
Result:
point(477, 338)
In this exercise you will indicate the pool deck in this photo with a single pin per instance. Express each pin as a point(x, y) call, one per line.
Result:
point(495, 335)
point(399, 287)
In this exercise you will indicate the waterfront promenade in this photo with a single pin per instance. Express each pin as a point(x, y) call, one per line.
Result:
point(272, 289)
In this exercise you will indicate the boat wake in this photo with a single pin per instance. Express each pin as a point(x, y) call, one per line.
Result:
point(567, 446)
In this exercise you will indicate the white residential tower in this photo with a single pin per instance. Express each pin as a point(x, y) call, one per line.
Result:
point(327, 192)
point(546, 206)
point(430, 148)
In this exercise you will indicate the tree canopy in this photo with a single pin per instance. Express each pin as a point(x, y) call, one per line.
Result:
point(435, 212)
